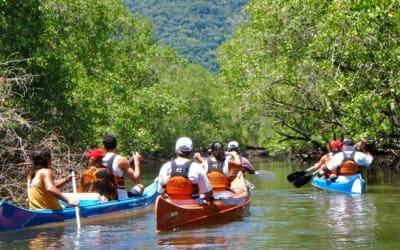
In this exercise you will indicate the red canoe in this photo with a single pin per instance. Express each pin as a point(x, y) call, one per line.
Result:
point(228, 206)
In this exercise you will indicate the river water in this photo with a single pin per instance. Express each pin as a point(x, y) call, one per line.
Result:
point(282, 217)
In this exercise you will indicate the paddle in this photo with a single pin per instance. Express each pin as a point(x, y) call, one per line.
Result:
point(265, 175)
point(78, 221)
point(298, 174)
point(304, 179)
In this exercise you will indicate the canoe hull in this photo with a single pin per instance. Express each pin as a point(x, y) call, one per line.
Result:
point(353, 184)
point(13, 217)
point(228, 206)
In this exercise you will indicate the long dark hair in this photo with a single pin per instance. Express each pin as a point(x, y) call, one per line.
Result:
point(40, 159)
point(217, 148)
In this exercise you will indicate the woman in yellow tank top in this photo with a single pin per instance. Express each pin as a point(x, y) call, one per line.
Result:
point(43, 190)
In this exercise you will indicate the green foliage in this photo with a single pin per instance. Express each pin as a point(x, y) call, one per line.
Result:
point(97, 70)
point(84, 66)
point(316, 69)
point(193, 28)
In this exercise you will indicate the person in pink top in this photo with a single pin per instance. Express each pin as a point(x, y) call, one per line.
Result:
point(234, 151)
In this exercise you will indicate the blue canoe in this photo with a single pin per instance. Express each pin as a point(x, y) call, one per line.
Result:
point(14, 217)
point(353, 184)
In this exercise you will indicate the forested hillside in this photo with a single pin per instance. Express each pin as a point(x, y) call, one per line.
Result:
point(193, 28)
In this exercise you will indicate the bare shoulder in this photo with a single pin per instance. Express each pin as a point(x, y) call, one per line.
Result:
point(45, 175)
point(123, 162)
point(44, 172)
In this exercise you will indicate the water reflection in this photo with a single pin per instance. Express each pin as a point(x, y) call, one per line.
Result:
point(46, 240)
point(193, 241)
point(348, 219)
point(38, 238)
point(214, 237)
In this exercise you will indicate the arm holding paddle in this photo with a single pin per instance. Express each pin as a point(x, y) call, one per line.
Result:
point(52, 188)
point(304, 179)
point(298, 174)
point(42, 190)
point(260, 174)
point(61, 182)
point(332, 160)
point(300, 178)
point(247, 167)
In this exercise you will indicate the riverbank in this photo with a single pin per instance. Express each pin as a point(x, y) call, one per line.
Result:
point(386, 155)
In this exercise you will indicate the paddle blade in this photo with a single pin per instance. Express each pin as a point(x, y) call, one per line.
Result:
point(265, 175)
point(293, 176)
point(302, 181)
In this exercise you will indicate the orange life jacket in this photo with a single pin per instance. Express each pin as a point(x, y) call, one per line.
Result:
point(179, 187)
point(349, 166)
point(100, 180)
point(215, 175)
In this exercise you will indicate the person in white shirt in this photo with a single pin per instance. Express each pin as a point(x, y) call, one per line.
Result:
point(349, 160)
point(183, 177)
point(122, 167)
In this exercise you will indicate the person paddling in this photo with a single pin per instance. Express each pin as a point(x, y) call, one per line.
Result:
point(334, 147)
point(122, 167)
point(183, 178)
point(43, 190)
point(234, 151)
point(350, 160)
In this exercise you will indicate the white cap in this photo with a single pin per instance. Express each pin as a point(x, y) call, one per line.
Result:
point(184, 145)
point(233, 145)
